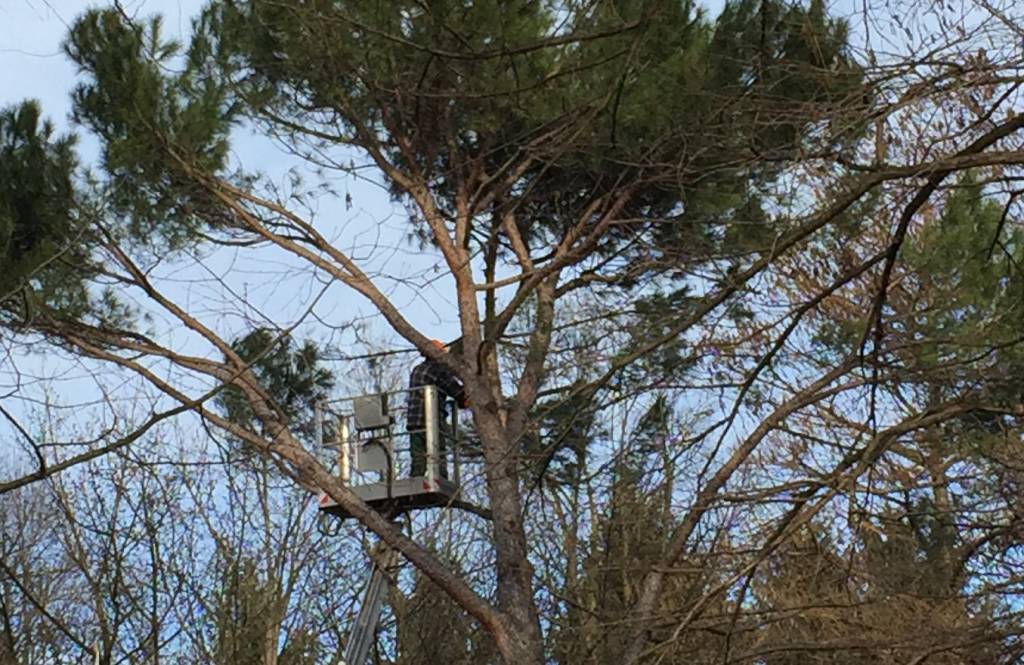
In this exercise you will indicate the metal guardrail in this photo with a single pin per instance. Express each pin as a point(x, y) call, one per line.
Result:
point(370, 435)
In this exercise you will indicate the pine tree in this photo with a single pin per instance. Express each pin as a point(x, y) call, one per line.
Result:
point(43, 231)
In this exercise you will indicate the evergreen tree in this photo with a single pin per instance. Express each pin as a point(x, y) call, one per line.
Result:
point(630, 535)
point(292, 374)
point(430, 628)
point(247, 616)
point(44, 236)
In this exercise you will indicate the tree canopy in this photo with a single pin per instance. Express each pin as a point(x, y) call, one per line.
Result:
point(41, 227)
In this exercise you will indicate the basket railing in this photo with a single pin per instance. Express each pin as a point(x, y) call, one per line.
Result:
point(371, 436)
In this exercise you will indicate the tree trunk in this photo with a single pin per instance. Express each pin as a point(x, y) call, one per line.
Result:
point(514, 572)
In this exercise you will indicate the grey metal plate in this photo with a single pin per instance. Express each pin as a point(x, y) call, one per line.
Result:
point(374, 455)
point(405, 494)
point(371, 412)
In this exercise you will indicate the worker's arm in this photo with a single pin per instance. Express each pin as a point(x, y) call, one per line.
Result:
point(450, 384)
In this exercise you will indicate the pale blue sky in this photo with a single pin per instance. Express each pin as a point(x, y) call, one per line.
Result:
point(32, 66)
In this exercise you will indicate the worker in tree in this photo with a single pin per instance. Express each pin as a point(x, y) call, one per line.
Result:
point(431, 373)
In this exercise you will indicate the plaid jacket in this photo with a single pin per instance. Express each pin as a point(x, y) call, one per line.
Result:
point(430, 373)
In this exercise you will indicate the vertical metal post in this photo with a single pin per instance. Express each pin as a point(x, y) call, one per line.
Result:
point(318, 411)
point(456, 471)
point(344, 450)
point(430, 422)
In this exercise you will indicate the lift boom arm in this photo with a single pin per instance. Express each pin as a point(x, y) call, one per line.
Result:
point(361, 638)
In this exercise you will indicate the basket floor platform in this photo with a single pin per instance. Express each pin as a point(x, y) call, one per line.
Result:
point(404, 494)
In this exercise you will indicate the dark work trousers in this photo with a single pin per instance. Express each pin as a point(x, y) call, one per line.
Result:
point(418, 450)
